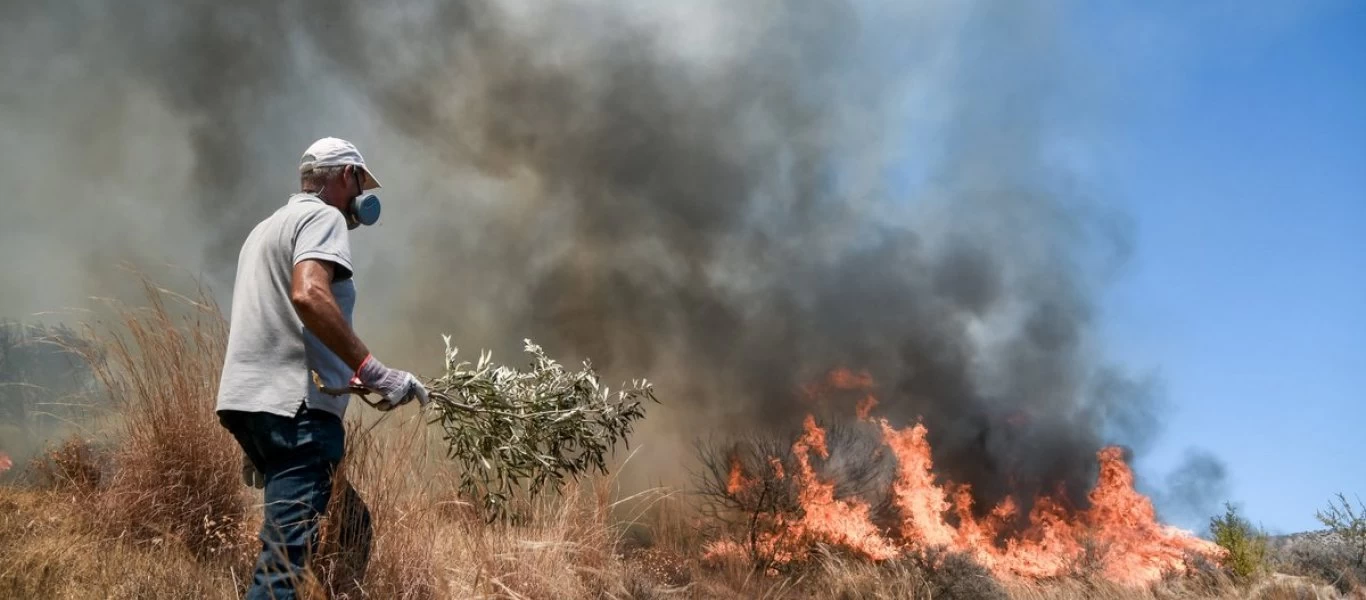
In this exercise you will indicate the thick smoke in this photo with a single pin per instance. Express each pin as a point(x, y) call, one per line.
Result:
point(728, 198)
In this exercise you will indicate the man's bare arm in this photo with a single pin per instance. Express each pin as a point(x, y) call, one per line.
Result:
point(311, 294)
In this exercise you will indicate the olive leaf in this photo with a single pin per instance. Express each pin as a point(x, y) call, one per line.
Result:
point(518, 431)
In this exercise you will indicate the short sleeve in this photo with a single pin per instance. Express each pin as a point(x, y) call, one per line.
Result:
point(322, 235)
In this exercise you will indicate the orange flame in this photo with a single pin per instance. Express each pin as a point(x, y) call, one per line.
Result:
point(921, 502)
point(1119, 533)
point(777, 467)
point(864, 410)
point(844, 379)
point(840, 522)
point(822, 517)
point(1140, 548)
point(1120, 525)
point(5, 462)
point(736, 482)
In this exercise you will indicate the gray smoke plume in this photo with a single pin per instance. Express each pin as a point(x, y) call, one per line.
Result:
point(1193, 491)
point(729, 198)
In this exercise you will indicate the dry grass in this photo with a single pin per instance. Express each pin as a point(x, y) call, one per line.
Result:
point(178, 476)
point(428, 543)
point(75, 466)
point(48, 549)
point(162, 514)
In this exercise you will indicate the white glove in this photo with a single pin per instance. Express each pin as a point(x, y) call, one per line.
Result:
point(395, 387)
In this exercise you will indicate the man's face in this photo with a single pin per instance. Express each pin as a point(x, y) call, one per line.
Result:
point(354, 187)
point(358, 181)
point(339, 190)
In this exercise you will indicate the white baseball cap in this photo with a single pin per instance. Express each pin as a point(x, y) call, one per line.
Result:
point(332, 152)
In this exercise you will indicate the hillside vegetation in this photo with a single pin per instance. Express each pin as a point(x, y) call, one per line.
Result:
point(147, 503)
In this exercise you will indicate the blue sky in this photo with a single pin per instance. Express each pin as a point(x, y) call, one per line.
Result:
point(1242, 160)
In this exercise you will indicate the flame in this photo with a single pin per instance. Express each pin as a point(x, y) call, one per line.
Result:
point(921, 502)
point(1139, 547)
point(1118, 534)
point(844, 379)
point(1121, 524)
point(777, 467)
point(822, 518)
point(5, 462)
point(736, 482)
point(825, 518)
point(865, 407)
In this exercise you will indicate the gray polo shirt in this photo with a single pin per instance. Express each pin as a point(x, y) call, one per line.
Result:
point(270, 352)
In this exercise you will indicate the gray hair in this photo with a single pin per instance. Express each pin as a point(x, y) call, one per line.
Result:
point(316, 177)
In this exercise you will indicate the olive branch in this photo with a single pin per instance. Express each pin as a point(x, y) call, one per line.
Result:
point(511, 428)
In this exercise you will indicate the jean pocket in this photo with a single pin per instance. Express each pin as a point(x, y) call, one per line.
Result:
point(325, 431)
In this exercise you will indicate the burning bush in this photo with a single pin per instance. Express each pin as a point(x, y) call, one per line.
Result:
point(754, 485)
point(786, 504)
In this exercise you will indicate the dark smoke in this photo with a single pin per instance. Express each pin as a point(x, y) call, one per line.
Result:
point(728, 198)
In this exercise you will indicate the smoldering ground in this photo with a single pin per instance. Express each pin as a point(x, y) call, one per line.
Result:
point(728, 199)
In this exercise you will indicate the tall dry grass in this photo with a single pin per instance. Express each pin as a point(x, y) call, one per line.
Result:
point(178, 472)
point(154, 508)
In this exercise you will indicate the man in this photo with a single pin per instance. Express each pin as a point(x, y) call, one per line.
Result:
point(291, 315)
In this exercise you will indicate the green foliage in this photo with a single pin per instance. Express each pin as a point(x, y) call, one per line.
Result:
point(1349, 523)
point(1246, 546)
point(518, 430)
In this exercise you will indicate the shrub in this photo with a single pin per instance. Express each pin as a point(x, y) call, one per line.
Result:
point(75, 466)
point(1348, 525)
point(1319, 555)
point(746, 485)
point(1246, 546)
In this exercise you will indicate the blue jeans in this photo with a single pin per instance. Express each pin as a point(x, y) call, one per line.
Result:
point(298, 456)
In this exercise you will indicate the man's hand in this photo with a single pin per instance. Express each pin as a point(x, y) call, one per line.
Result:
point(394, 386)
